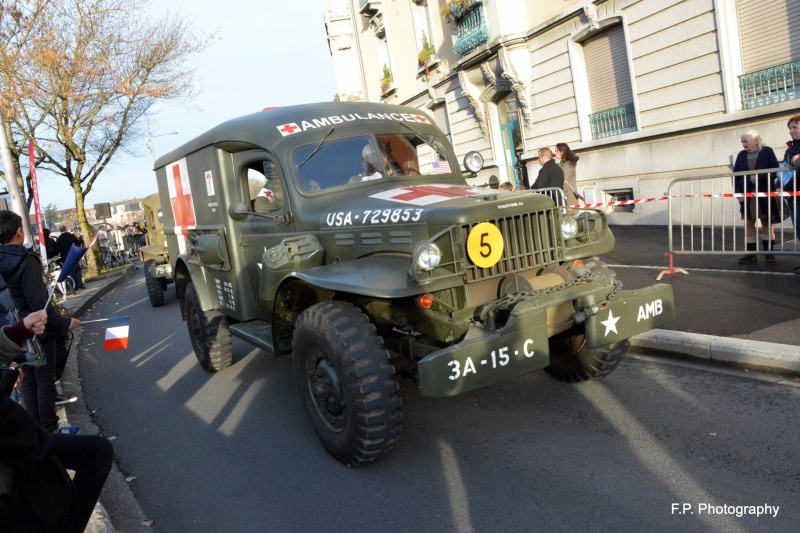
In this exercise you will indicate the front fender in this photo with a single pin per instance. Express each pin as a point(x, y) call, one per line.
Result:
point(378, 276)
point(186, 272)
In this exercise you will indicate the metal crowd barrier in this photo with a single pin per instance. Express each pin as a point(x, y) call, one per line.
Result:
point(555, 193)
point(704, 216)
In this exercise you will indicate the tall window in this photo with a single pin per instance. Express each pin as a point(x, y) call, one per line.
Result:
point(770, 38)
point(423, 34)
point(384, 65)
point(609, 83)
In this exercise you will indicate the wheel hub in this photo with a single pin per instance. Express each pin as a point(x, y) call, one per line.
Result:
point(326, 391)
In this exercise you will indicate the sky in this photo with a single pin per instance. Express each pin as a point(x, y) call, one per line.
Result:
point(265, 54)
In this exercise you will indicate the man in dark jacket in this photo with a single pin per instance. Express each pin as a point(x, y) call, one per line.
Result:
point(64, 244)
point(22, 271)
point(550, 175)
point(792, 157)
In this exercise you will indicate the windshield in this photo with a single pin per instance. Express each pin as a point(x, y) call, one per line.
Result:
point(349, 162)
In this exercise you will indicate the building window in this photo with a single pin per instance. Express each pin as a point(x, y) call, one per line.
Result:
point(423, 34)
point(617, 195)
point(769, 31)
point(471, 29)
point(609, 79)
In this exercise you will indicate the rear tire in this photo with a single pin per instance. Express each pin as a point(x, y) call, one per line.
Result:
point(208, 331)
point(346, 383)
point(573, 362)
point(155, 289)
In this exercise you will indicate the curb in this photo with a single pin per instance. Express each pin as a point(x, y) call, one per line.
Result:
point(757, 355)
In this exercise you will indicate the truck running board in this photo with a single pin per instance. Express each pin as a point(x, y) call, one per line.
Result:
point(256, 332)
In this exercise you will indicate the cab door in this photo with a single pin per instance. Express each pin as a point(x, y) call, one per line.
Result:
point(262, 188)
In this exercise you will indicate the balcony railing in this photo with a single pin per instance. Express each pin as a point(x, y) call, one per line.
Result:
point(613, 122)
point(472, 31)
point(770, 85)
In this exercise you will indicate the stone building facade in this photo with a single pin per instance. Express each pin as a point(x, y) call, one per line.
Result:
point(643, 91)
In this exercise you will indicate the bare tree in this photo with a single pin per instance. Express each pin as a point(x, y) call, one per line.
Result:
point(81, 75)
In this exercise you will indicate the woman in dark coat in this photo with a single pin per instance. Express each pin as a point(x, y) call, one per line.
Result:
point(755, 156)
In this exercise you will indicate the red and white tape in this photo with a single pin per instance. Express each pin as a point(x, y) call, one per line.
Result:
point(772, 194)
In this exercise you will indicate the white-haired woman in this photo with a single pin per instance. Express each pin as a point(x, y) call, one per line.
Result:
point(755, 156)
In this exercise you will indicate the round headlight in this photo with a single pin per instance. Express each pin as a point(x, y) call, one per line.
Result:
point(429, 257)
point(569, 227)
point(473, 161)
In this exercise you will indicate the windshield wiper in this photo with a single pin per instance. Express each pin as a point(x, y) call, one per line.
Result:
point(317, 148)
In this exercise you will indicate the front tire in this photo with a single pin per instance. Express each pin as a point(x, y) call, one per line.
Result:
point(573, 362)
point(208, 331)
point(155, 289)
point(346, 383)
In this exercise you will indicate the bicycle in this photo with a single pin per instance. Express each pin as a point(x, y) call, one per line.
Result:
point(114, 258)
point(53, 272)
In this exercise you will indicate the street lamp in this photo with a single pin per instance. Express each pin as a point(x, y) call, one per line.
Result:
point(151, 136)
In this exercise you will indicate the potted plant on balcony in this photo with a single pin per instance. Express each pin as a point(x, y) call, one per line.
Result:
point(454, 9)
point(425, 54)
point(386, 80)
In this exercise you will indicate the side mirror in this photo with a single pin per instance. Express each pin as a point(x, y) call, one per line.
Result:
point(238, 211)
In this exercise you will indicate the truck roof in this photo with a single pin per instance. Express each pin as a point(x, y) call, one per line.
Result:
point(273, 126)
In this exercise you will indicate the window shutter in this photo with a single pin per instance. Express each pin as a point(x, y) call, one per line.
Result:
point(607, 70)
point(769, 31)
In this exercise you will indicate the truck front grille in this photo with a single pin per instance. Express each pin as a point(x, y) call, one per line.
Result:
point(530, 242)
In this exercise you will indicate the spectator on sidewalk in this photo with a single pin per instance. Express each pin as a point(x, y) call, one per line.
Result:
point(568, 162)
point(64, 244)
point(550, 175)
point(22, 271)
point(792, 157)
point(34, 462)
point(755, 156)
point(50, 246)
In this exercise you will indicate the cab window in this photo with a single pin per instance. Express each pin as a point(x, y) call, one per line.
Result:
point(349, 162)
point(264, 186)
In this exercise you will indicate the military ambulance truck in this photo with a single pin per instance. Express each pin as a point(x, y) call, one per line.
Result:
point(345, 235)
point(155, 254)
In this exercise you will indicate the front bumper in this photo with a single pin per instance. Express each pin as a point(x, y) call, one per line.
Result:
point(522, 345)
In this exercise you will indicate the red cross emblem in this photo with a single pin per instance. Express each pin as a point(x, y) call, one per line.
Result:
point(288, 129)
point(426, 194)
point(420, 118)
point(180, 194)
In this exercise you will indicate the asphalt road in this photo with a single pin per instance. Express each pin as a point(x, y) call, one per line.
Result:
point(234, 451)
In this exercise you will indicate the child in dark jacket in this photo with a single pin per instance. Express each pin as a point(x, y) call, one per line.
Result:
point(22, 271)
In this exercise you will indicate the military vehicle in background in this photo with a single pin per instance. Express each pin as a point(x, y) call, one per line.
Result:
point(155, 254)
point(345, 235)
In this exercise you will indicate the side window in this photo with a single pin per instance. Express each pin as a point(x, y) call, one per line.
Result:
point(264, 186)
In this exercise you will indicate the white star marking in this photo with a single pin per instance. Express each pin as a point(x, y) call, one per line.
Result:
point(610, 323)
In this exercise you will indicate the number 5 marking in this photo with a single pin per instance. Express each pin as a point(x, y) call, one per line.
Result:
point(485, 245)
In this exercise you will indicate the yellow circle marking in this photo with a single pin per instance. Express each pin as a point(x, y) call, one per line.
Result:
point(485, 245)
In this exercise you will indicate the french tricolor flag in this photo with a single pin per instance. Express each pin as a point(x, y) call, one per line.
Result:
point(117, 333)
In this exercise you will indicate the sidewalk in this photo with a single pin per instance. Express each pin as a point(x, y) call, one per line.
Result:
point(747, 315)
point(116, 494)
